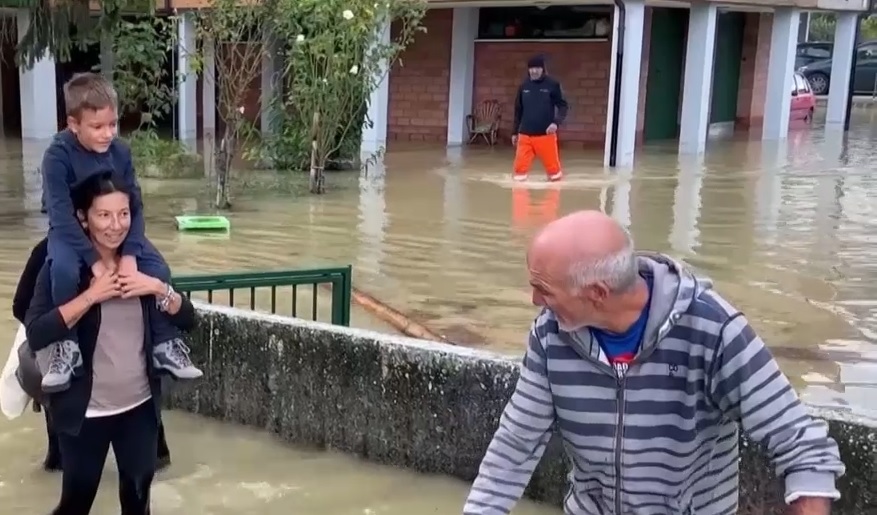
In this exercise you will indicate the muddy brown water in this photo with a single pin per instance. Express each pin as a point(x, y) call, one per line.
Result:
point(787, 233)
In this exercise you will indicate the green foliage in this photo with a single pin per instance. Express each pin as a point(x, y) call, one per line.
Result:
point(822, 27)
point(287, 147)
point(57, 27)
point(338, 55)
point(236, 34)
point(140, 47)
point(162, 158)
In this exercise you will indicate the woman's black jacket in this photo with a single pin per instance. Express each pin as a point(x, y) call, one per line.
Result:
point(45, 326)
point(28, 279)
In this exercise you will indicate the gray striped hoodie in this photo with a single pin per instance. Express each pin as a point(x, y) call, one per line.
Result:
point(660, 438)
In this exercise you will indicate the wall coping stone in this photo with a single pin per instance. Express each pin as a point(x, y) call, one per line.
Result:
point(373, 399)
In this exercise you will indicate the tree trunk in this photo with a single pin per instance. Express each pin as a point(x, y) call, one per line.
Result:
point(317, 181)
point(224, 157)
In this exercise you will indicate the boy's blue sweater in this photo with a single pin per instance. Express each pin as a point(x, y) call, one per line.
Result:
point(66, 164)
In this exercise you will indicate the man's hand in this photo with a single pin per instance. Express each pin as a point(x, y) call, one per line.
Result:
point(127, 265)
point(514, 139)
point(551, 129)
point(810, 506)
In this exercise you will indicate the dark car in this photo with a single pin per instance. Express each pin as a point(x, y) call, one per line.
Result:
point(811, 52)
point(818, 73)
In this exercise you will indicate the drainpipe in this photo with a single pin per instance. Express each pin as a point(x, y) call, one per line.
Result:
point(616, 95)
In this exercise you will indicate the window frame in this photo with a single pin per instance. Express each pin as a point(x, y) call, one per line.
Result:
point(532, 22)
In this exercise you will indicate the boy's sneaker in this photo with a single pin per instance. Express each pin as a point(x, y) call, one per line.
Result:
point(173, 356)
point(65, 357)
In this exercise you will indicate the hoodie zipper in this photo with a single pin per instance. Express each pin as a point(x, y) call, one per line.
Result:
point(619, 438)
point(620, 399)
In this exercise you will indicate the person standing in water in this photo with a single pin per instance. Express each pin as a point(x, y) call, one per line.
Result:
point(539, 110)
point(117, 401)
point(24, 293)
point(89, 147)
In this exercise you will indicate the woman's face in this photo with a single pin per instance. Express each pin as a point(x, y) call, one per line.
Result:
point(108, 220)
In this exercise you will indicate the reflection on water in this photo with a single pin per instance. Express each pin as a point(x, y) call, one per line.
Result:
point(787, 232)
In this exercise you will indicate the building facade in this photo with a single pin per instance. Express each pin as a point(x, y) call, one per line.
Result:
point(634, 71)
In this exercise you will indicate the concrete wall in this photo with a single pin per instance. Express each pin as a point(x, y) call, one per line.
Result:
point(416, 404)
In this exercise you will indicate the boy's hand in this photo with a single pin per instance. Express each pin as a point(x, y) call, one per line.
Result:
point(103, 288)
point(127, 266)
point(98, 269)
point(139, 284)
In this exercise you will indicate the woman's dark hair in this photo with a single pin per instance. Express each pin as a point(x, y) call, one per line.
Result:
point(95, 186)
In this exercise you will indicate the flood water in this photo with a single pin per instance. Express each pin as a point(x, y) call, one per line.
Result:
point(788, 233)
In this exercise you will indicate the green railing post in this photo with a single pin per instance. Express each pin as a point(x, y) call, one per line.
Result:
point(341, 297)
point(339, 278)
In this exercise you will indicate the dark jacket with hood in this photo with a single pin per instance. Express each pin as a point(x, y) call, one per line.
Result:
point(539, 103)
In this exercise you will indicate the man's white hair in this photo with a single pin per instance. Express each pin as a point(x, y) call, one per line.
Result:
point(618, 270)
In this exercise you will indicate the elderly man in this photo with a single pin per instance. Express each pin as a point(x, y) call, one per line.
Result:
point(647, 373)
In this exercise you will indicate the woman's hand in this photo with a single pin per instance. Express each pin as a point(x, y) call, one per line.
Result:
point(104, 287)
point(138, 284)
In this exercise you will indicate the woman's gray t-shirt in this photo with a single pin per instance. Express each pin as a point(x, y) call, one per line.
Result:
point(120, 382)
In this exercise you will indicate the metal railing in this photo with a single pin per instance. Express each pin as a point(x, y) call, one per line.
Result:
point(267, 290)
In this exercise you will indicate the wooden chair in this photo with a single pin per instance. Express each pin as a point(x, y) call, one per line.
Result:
point(484, 121)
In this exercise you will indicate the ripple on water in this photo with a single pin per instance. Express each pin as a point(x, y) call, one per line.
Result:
point(788, 235)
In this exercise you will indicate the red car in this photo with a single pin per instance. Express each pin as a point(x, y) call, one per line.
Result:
point(803, 100)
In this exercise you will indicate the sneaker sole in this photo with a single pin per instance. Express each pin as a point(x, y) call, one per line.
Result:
point(176, 377)
point(56, 388)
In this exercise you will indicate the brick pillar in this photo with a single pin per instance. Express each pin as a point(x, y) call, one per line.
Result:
point(753, 69)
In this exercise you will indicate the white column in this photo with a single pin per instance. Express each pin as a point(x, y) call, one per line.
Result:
point(462, 80)
point(270, 70)
point(39, 104)
point(632, 45)
point(780, 73)
point(686, 204)
point(697, 89)
point(374, 137)
point(841, 66)
point(187, 122)
point(373, 220)
point(208, 88)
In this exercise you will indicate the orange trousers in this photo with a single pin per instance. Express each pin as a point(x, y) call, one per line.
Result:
point(544, 147)
point(527, 214)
